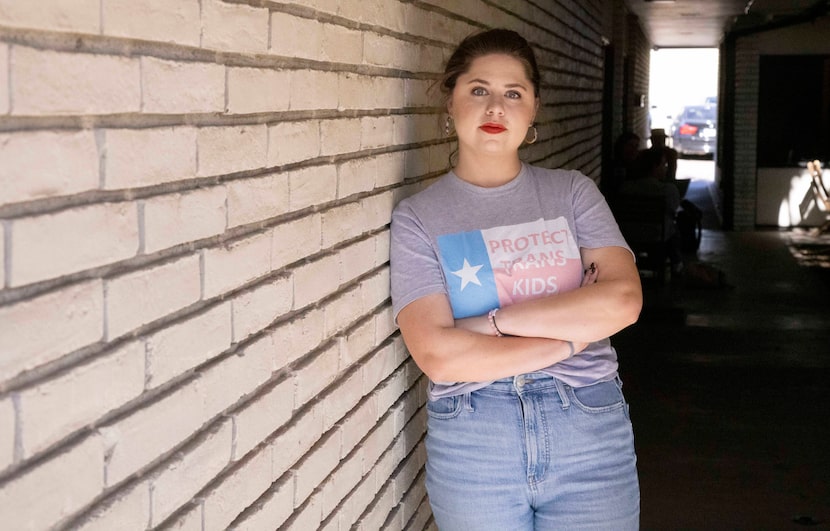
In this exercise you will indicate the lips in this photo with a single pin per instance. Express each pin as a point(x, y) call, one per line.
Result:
point(492, 128)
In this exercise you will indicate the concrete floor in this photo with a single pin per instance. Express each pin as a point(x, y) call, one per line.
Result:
point(730, 389)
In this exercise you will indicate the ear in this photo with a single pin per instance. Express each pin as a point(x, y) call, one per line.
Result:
point(449, 105)
point(536, 106)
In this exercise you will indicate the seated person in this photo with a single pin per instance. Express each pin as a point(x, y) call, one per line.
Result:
point(650, 179)
point(658, 141)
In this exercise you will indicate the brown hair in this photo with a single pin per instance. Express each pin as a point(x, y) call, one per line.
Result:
point(494, 41)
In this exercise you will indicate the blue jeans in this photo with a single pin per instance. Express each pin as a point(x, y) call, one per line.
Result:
point(532, 453)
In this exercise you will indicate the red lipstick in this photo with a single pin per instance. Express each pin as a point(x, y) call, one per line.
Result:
point(493, 128)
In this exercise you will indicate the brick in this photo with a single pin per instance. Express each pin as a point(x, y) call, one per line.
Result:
point(237, 491)
point(290, 142)
point(297, 337)
point(136, 440)
point(312, 186)
point(346, 394)
point(384, 325)
point(356, 260)
point(183, 346)
point(191, 520)
point(223, 385)
point(314, 90)
point(253, 90)
point(259, 307)
point(181, 87)
point(306, 517)
point(355, 91)
point(145, 157)
point(416, 162)
point(390, 92)
point(229, 267)
point(53, 245)
point(356, 176)
point(274, 509)
point(48, 82)
point(193, 468)
point(82, 16)
point(2, 257)
point(339, 136)
point(341, 45)
point(4, 77)
point(258, 199)
point(417, 93)
point(390, 169)
point(234, 27)
point(295, 36)
point(141, 297)
point(54, 489)
point(357, 501)
point(262, 417)
point(358, 343)
point(93, 389)
point(376, 131)
point(195, 215)
point(231, 149)
point(378, 209)
point(341, 311)
point(375, 517)
point(342, 223)
point(174, 21)
point(357, 425)
point(375, 290)
point(130, 508)
point(296, 440)
point(382, 50)
point(336, 487)
point(8, 430)
point(42, 329)
point(295, 240)
point(46, 163)
point(316, 466)
point(316, 373)
point(316, 280)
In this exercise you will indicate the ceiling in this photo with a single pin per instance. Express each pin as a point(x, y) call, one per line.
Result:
point(702, 23)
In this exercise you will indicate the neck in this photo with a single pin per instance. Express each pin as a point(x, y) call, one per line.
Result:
point(487, 171)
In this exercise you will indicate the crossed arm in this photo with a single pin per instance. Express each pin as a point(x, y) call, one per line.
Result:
point(537, 331)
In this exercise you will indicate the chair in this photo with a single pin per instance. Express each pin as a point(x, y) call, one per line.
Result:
point(820, 194)
point(642, 221)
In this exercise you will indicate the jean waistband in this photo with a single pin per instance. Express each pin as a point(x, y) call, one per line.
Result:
point(531, 381)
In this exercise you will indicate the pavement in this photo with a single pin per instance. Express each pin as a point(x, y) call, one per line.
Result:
point(729, 384)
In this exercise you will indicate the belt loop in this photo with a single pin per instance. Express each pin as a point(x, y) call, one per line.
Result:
point(467, 401)
point(562, 389)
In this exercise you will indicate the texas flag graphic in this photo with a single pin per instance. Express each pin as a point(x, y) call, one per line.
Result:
point(497, 267)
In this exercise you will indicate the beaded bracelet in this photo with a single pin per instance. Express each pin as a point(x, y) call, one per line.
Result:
point(491, 317)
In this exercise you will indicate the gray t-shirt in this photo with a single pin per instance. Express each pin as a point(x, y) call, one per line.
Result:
point(489, 248)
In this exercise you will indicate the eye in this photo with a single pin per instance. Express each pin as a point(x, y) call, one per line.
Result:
point(513, 94)
point(479, 91)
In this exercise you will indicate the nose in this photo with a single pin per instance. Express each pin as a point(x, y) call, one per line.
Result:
point(495, 106)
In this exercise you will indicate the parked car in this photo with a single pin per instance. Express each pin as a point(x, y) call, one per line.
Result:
point(695, 130)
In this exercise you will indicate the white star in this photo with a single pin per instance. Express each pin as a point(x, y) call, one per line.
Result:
point(468, 274)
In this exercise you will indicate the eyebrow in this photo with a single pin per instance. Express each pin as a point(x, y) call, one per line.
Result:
point(509, 85)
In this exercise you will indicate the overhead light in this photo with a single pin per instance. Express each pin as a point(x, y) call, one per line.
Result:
point(659, 1)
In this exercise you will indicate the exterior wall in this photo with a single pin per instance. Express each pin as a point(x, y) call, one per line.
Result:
point(195, 195)
point(802, 39)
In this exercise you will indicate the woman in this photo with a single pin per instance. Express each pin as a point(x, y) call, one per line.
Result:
point(528, 428)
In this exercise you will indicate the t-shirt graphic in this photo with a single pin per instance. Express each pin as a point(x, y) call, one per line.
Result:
point(500, 266)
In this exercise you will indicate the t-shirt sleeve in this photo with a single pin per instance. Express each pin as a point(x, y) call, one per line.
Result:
point(415, 267)
point(595, 224)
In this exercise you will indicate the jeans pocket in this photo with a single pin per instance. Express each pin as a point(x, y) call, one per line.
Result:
point(445, 408)
point(599, 398)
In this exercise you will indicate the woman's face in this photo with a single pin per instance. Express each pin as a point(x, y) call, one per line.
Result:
point(492, 105)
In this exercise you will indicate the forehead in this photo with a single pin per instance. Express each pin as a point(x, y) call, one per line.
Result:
point(497, 66)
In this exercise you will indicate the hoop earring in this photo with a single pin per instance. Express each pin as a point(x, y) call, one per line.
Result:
point(447, 125)
point(535, 135)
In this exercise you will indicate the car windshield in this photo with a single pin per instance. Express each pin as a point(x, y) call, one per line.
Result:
point(701, 113)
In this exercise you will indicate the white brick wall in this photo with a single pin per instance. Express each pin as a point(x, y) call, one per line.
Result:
point(194, 283)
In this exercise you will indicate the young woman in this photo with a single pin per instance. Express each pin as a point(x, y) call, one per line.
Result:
point(507, 280)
